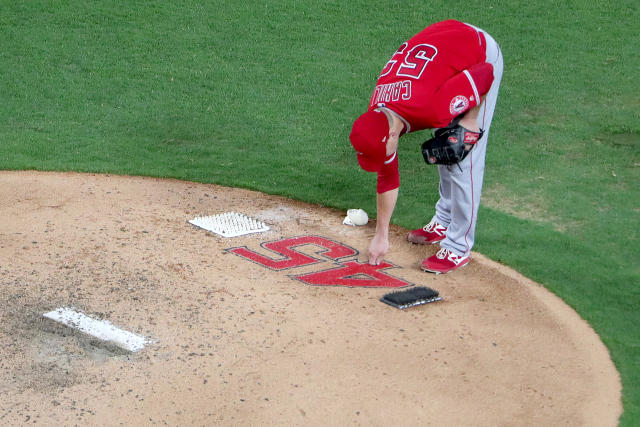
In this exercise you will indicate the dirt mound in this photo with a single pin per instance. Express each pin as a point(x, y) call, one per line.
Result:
point(283, 327)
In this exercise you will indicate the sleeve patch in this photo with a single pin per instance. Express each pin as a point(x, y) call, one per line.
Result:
point(458, 104)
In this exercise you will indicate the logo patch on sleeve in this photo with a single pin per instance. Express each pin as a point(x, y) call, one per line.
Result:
point(458, 104)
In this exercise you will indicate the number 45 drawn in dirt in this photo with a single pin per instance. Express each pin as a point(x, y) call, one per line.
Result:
point(284, 256)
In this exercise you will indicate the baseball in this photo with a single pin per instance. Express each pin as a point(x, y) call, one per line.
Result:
point(357, 216)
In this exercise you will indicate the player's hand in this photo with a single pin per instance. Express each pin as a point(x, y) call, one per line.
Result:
point(378, 248)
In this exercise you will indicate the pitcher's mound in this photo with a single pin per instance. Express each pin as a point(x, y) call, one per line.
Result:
point(279, 327)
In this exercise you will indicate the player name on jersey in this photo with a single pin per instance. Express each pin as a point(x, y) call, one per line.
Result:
point(391, 92)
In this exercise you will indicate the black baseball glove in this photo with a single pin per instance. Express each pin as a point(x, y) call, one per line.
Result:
point(450, 145)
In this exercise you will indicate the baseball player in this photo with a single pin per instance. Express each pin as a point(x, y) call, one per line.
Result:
point(446, 77)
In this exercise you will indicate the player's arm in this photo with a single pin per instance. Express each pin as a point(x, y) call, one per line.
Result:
point(470, 119)
point(387, 192)
point(379, 245)
point(386, 197)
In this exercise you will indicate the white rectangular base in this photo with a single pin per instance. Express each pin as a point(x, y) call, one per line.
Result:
point(229, 224)
point(101, 329)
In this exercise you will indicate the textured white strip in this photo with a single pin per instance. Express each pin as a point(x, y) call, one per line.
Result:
point(229, 224)
point(101, 329)
point(473, 86)
point(391, 159)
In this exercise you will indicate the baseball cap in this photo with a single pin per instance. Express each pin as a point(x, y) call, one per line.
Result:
point(369, 137)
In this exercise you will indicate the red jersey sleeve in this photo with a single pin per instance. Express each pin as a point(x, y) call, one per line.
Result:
point(462, 92)
point(482, 77)
point(389, 176)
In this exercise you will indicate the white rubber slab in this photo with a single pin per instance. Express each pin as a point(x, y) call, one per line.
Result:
point(101, 329)
point(230, 224)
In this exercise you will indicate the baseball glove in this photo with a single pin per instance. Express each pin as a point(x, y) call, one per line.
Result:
point(450, 145)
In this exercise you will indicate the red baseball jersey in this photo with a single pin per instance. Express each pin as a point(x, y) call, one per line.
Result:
point(435, 76)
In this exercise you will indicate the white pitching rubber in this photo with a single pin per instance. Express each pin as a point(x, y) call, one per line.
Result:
point(100, 329)
point(229, 224)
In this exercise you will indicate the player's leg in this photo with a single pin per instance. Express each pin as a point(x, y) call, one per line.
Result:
point(443, 205)
point(465, 187)
point(436, 229)
point(466, 181)
point(466, 184)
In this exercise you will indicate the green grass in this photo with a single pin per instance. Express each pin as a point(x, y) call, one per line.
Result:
point(262, 95)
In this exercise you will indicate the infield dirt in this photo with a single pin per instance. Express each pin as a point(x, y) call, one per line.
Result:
point(237, 341)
